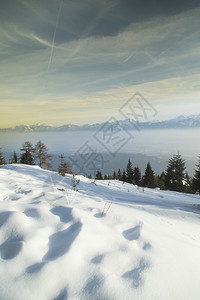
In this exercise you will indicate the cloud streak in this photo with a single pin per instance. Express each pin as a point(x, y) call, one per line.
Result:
point(92, 74)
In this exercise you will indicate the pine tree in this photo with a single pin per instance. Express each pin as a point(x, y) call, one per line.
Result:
point(175, 173)
point(123, 176)
point(64, 166)
point(188, 187)
point(119, 174)
point(2, 160)
point(136, 175)
point(160, 181)
point(196, 180)
point(27, 157)
point(28, 146)
point(114, 175)
point(149, 177)
point(15, 158)
point(42, 154)
point(99, 175)
point(129, 172)
point(105, 177)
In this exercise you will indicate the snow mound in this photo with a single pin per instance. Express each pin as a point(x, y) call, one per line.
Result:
point(103, 240)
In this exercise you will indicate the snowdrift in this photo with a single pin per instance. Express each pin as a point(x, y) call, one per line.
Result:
point(106, 240)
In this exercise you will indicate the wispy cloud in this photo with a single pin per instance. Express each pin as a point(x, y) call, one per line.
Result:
point(92, 74)
point(40, 40)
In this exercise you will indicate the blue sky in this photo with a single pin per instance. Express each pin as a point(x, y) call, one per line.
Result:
point(80, 61)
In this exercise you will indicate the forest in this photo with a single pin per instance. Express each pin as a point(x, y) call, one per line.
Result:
point(174, 178)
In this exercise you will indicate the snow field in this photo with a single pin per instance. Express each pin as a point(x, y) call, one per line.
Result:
point(55, 243)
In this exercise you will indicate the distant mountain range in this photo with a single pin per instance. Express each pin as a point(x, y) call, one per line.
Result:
point(176, 123)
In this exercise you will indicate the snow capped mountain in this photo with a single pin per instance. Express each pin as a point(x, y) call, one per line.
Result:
point(179, 122)
point(176, 123)
point(105, 240)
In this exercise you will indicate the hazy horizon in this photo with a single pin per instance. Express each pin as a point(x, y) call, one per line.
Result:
point(154, 121)
point(156, 146)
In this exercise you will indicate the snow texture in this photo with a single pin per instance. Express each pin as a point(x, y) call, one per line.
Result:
point(101, 241)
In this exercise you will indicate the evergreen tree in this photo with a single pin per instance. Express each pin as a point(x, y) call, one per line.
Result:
point(188, 187)
point(123, 178)
point(175, 174)
point(187, 178)
point(2, 160)
point(27, 155)
point(136, 175)
point(42, 154)
point(28, 146)
point(160, 181)
point(149, 177)
point(15, 158)
point(196, 180)
point(129, 172)
point(114, 175)
point(99, 175)
point(64, 166)
point(27, 158)
point(105, 177)
point(119, 174)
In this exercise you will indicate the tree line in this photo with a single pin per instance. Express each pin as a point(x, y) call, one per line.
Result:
point(30, 154)
point(37, 154)
point(174, 178)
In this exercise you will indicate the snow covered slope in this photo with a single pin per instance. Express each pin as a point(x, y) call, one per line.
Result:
point(108, 240)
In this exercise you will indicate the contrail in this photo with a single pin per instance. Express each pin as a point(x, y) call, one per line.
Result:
point(54, 35)
point(88, 29)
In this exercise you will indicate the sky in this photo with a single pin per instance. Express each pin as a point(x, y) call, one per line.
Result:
point(66, 61)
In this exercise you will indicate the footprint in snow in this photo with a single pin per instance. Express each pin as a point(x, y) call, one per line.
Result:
point(97, 259)
point(11, 248)
point(94, 284)
point(32, 212)
point(136, 275)
point(146, 246)
point(64, 213)
point(62, 295)
point(132, 233)
point(35, 268)
point(61, 241)
point(4, 216)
